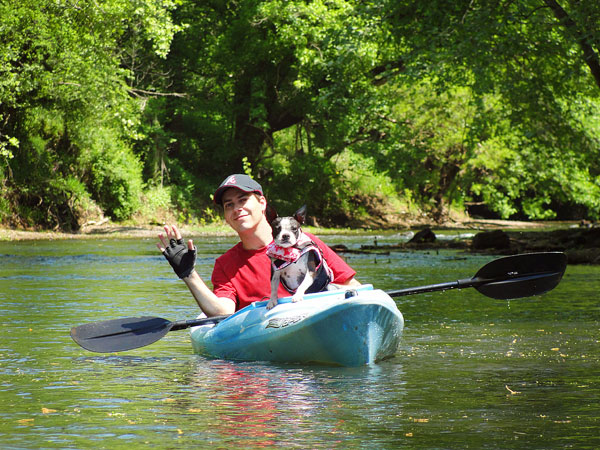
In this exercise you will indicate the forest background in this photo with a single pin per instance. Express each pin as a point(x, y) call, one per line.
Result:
point(368, 111)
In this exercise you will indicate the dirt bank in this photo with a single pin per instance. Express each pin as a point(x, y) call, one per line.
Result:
point(104, 229)
point(110, 230)
point(500, 237)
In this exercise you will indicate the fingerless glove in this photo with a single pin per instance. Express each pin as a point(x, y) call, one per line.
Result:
point(181, 258)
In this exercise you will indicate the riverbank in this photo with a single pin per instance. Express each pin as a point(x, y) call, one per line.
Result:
point(104, 229)
point(109, 230)
point(498, 237)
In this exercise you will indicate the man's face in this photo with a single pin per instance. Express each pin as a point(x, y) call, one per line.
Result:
point(243, 210)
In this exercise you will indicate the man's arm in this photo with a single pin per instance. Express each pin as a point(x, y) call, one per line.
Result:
point(183, 261)
point(351, 282)
point(209, 303)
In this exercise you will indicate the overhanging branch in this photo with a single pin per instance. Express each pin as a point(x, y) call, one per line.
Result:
point(143, 93)
point(589, 54)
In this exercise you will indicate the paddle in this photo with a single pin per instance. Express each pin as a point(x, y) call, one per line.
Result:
point(509, 277)
point(118, 335)
point(505, 278)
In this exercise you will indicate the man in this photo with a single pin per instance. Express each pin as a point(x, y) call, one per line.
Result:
point(242, 274)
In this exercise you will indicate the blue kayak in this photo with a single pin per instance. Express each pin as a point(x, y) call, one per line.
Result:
point(343, 327)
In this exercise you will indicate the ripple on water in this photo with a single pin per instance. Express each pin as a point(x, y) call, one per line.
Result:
point(470, 371)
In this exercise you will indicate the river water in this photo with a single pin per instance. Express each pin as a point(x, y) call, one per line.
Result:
point(471, 372)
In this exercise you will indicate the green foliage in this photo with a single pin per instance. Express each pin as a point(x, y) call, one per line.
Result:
point(363, 107)
point(112, 174)
point(156, 206)
point(527, 170)
point(432, 140)
point(531, 151)
point(344, 190)
point(66, 110)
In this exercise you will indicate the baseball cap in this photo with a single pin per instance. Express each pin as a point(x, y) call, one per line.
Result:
point(239, 181)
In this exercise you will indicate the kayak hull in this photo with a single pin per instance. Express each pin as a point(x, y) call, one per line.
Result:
point(344, 328)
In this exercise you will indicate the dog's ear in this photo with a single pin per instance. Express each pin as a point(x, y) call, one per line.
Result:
point(300, 215)
point(270, 213)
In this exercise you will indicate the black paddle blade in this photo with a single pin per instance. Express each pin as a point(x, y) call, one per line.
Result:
point(120, 334)
point(521, 276)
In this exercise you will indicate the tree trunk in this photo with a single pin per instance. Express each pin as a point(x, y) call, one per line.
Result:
point(589, 54)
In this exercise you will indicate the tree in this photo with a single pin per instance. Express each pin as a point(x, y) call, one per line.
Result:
point(67, 114)
point(359, 104)
point(253, 69)
point(532, 145)
point(331, 76)
point(260, 67)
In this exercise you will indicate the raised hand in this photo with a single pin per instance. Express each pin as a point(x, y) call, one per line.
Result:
point(181, 257)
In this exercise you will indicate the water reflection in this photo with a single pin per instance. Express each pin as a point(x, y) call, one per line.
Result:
point(244, 403)
point(263, 404)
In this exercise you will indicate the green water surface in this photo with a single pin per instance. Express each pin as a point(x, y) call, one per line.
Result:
point(471, 372)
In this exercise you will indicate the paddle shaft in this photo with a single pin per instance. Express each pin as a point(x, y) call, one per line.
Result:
point(459, 284)
point(439, 287)
point(462, 284)
point(183, 324)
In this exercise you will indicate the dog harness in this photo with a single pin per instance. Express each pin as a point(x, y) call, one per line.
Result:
point(282, 257)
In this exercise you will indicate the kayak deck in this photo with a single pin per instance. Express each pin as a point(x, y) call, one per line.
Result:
point(343, 327)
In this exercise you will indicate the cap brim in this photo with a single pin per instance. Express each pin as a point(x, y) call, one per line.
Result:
point(218, 197)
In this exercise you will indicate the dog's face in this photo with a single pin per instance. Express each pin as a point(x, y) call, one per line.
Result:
point(286, 230)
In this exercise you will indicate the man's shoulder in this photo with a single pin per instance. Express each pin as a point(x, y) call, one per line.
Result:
point(310, 235)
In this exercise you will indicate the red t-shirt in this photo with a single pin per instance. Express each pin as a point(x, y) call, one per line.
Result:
point(245, 275)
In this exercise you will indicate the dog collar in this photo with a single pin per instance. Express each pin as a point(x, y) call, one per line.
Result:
point(290, 254)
